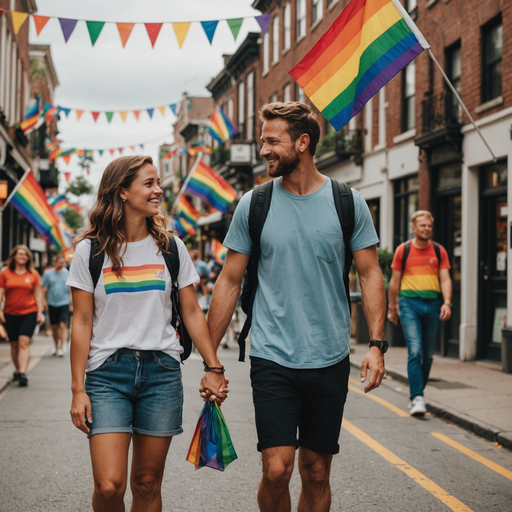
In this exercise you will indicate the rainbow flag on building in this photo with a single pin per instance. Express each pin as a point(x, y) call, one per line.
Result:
point(50, 111)
point(184, 206)
point(369, 43)
point(32, 118)
point(206, 184)
point(182, 226)
point(29, 199)
point(221, 128)
point(218, 250)
point(59, 203)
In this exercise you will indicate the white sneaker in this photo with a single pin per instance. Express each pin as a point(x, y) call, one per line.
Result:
point(418, 407)
point(60, 352)
point(54, 350)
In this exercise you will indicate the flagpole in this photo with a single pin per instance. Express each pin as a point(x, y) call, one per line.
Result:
point(460, 102)
point(189, 175)
point(22, 179)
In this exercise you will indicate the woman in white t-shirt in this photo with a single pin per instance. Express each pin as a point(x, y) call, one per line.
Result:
point(122, 340)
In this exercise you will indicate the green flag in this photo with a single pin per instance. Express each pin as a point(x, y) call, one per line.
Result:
point(109, 115)
point(234, 25)
point(100, 151)
point(95, 28)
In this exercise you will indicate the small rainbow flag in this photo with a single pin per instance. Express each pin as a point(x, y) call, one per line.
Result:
point(50, 111)
point(218, 250)
point(59, 203)
point(184, 206)
point(369, 43)
point(134, 279)
point(32, 118)
point(29, 199)
point(221, 128)
point(210, 187)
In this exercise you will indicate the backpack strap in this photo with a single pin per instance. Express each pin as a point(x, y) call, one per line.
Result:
point(172, 262)
point(344, 202)
point(96, 258)
point(258, 210)
point(437, 249)
point(405, 255)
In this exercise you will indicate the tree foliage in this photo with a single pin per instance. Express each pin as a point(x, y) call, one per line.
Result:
point(79, 186)
point(73, 219)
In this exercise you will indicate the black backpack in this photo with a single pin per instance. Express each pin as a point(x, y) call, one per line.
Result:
point(172, 263)
point(407, 250)
point(258, 210)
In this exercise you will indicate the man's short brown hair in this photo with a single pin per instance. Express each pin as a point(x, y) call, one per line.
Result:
point(299, 117)
point(422, 213)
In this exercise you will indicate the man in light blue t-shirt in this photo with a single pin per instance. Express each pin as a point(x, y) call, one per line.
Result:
point(301, 319)
point(58, 302)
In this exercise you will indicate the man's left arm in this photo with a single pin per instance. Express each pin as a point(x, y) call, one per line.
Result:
point(374, 306)
point(446, 290)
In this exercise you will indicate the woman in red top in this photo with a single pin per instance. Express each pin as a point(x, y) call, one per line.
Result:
point(23, 308)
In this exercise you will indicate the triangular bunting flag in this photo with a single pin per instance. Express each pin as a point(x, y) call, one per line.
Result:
point(66, 111)
point(111, 151)
point(173, 108)
point(150, 112)
point(79, 114)
point(136, 114)
point(88, 171)
point(141, 147)
point(94, 28)
point(181, 31)
point(67, 27)
point(263, 22)
point(109, 115)
point(209, 28)
point(18, 18)
point(162, 109)
point(153, 31)
point(123, 115)
point(67, 175)
point(66, 158)
point(100, 151)
point(120, 151)
point(95, 115)
point(125, 29)
point(40, 22)
point(132, 148)
point(235, 24)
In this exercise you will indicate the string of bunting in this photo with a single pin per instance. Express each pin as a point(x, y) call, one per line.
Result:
point(95, 28)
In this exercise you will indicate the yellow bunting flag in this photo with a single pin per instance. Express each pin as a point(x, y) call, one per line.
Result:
point(181, 31)
point(79, 114)
point(162, 109)
point(123, 115)
point(18, 18)
point(125, 29)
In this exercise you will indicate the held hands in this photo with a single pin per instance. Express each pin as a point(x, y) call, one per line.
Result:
point(214, 386)
point(374, 363)
point(446, 312)
point(81, 409)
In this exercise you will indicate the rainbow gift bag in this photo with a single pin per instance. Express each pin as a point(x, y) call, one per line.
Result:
point(211, 444)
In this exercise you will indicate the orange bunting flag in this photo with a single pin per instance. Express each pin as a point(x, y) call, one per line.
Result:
point(111, 151)
point(95, 115)
point(125, 29)
point(153, 31)
point(132, 148)
point(40, 22)
point(66, 158)
point(136, 114)
point(79, 114)
point(67, 175)
point(181, 31)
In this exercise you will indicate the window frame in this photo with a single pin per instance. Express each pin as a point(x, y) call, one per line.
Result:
point(287, 27)
point(300, 23)
point(487, 82)
point(275, 40)
point(408, 100)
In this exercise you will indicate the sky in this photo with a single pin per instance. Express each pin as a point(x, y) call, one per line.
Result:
point(107, 77)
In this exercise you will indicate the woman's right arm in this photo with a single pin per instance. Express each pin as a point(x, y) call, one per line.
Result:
point(81, 333)
point(2, 293)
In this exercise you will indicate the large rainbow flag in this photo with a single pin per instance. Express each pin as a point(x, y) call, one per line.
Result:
point(29, 199)
point(184, 206)
point(369, 43)
point(221, 128)
point(210, 187)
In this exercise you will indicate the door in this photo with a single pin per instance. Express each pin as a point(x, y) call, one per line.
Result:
point(493, 262)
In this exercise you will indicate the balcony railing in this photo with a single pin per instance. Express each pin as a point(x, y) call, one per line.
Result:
point(440, 111)
point(343, 143)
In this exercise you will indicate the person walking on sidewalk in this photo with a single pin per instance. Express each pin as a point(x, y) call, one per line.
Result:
point(20, 285)
point(58, 302)
point(421, 274)
point(123, 342)
point(301, 319)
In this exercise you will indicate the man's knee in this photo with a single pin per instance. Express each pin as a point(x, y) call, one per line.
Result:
point(278, 472)
point(315, 471)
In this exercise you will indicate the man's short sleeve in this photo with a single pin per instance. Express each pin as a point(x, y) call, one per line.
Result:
point(364, 234)
point(45, 280)
point(238, 238)
point(445, 261)
point(397, 258)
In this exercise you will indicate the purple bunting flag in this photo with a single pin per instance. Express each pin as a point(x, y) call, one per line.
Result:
point(67, 27)
point(263, 22)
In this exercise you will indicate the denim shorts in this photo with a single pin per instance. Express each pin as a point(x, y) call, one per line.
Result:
point(136, 391)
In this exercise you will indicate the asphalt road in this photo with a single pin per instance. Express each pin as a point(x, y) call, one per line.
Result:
point(389, 461)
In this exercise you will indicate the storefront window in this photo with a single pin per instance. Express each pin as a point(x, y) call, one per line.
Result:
point(450, 177)
point(496, 175)
point(374, 207)
point(406, 203)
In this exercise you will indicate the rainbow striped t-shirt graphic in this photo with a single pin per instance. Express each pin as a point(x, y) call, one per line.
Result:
point(135, 279)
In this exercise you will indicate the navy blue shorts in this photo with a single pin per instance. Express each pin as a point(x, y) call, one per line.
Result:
point(58, 314)
point(136, 391)
point(20, 325)
point(307, 402)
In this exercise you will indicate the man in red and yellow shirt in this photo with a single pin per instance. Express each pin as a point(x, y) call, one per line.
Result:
point(419, 283)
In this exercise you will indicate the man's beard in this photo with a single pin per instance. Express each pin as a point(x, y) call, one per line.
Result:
point(285, 166)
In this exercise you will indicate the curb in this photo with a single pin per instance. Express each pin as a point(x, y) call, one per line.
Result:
point(465, 421)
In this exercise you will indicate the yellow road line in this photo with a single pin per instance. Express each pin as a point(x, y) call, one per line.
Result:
point(438, 492)
point(475, 456)
point(380, 401)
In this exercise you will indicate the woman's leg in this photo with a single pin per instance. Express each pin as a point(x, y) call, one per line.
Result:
point(149, 455)
point(109, 456)
point(14, 355)
point(23, 353)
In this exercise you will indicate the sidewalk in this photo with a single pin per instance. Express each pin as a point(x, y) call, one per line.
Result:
point(40, 346)
point(474, 395)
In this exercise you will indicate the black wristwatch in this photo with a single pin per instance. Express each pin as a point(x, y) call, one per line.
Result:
point(382, 344)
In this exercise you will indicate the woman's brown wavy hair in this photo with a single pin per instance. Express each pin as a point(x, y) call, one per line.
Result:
point(10, 263)
point(106, 216)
